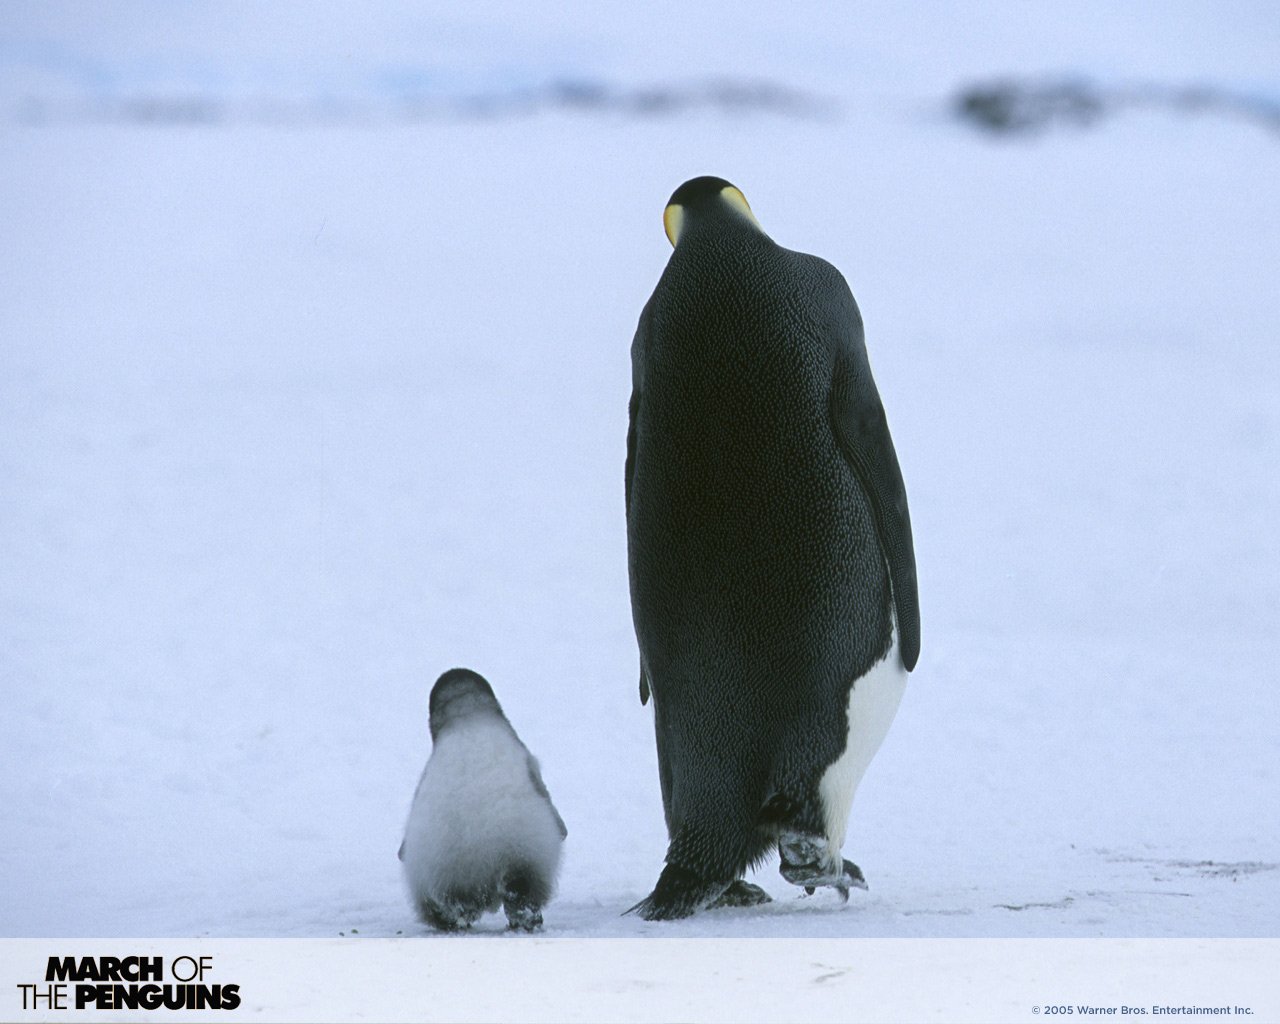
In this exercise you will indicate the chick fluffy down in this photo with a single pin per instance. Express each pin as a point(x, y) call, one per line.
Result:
point(479, 810)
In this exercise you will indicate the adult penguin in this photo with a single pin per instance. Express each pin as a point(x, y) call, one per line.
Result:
point(773, 581)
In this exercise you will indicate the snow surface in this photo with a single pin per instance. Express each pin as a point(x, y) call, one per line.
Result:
point(294, 418)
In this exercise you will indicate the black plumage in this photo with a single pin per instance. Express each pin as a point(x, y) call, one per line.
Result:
point(768, 536)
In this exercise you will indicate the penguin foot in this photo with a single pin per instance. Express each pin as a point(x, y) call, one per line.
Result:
point(741, 893)
point(523, 918)
point(806, 862)
point(679, 893)
point(448, 917)
point(524, 891)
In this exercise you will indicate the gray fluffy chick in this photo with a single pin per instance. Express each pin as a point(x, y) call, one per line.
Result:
point(482, 832)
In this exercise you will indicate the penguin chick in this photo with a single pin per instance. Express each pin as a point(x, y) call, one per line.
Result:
point(482, 831)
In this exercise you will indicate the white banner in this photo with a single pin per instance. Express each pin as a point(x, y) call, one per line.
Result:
point(514, 978)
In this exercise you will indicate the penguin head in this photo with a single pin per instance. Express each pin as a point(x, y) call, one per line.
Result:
point(705, 201)
point(457, 694)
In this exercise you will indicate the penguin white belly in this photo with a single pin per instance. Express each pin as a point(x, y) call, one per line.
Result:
point(873, 702)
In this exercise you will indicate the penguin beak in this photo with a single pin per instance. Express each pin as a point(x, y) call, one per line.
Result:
point(672, 221)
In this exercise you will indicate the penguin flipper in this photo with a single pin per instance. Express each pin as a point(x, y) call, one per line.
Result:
point(638, 344)
point(540, 787)
point(632, 406)
point(858, 419)
point(644, 688)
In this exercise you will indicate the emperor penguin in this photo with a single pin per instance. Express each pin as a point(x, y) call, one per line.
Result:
point(772, 570)
point(482, 830)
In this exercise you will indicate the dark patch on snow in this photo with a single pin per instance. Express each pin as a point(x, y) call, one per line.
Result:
point(1233, 870)
point(1108, 897)
point(1061, 904)
point(832, 973)
point(1216, 869)
point(958, 912)
point(1139, 892)
point(1012, 106)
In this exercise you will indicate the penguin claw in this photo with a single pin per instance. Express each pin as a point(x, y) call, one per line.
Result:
point(853, 875)
point(741, 893)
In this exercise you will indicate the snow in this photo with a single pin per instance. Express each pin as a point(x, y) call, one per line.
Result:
point(294, 417)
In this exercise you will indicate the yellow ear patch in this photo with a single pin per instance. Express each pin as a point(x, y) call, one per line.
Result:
point(739, 202)
point(672, 221)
